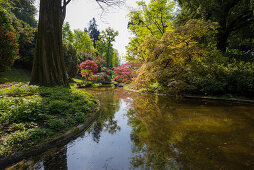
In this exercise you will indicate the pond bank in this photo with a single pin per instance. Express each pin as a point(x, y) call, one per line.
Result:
point(56, 142)
point(238, 100)
point(34, 119)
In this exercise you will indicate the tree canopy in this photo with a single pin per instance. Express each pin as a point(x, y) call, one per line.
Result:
point(155, 19)
point(232, 16)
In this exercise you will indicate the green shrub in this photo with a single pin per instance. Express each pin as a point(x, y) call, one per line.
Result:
point(56, 124)
point(19, 90)
point(70, 59)
point(19, 110)
point(34, 113)
point(8, 40)
point(107, 78)
point(80, 117)
point(39, 133)
point(17, 137)
point(70, 121)
point(58, 107)
point(97, 78)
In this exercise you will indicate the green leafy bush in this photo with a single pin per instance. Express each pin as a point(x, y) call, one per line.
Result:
point(80, 117)
point(31, 114)
point(97, 78)
point(58, 107)
point(8, 40)
point(107, 78)
point(19, 90)
point(39, 133)
point(186, 61)
point(56, 124)
point(70, 59)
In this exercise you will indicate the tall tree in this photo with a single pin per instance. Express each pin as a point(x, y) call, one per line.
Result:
point(82, 42)
point(93, 31)
point(105, 45)
point(48, 66)
point(68, 35)
point(25, 11)
point(154, 18)
point(232, 15)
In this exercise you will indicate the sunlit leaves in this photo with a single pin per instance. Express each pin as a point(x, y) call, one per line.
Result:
point(153, 19)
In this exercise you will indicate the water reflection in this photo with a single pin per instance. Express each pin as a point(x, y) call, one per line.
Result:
point(145, 131)
point(190, 135)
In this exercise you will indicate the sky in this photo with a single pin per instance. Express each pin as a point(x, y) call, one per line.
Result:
point(80, 12)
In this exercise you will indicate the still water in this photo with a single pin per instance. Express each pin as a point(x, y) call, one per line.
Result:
point(143, 131)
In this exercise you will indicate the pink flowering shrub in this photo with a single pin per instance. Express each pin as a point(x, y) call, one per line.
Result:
point(123, 73)
point(9, 47)
point(89, 65)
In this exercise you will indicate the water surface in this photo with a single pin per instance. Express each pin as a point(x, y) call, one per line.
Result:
point(143, 131)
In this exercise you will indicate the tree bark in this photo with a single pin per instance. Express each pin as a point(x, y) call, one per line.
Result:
point(48, 66)
point(222, 40)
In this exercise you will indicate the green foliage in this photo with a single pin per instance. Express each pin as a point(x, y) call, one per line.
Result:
point(58, 107)
point(31, 114)
point(86, 74)
point(186, 62)
point(8, 40)
point(25, 10)
point(105, 48)
point(15, 75)
point(22, 16)
point(80, 117)
point(55, 124)
point(92, 31)
point(19, 90)
point(235, 18)
point(70, 59)
point(70, 121)
point(97, 78)
point(82, 42)
point(68, 35)
point(19, 110)
point(17, 137)
point(106, 77)
point(27, 44)
point(39, 133)
point(154, 19)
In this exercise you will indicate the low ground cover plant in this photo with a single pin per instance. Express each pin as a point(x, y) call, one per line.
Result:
point(31, 115)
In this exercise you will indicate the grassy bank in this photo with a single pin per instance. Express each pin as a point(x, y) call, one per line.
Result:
point(31, 115)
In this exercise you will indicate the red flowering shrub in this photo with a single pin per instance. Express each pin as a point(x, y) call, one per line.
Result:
point(123, 73)
point(89, 65)
point(97, 78)
point(9, 47)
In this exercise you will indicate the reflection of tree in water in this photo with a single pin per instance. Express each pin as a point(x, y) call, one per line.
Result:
point(170, 135)
point(56, 159)
point(110, 105)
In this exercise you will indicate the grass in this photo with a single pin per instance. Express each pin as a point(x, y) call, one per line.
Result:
point(31, 115)
point(15, 75)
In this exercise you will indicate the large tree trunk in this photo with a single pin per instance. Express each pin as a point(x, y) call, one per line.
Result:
point(222, 41)
point(48, 66)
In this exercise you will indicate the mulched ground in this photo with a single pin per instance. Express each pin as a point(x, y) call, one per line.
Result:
point(5, 85)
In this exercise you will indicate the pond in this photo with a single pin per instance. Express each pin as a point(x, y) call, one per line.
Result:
point(144, 131)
